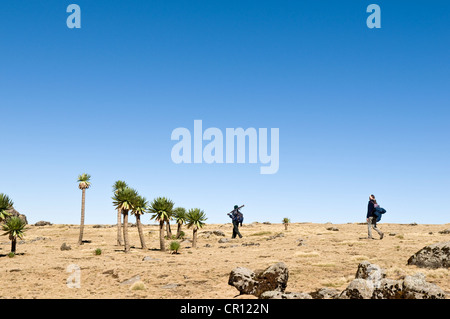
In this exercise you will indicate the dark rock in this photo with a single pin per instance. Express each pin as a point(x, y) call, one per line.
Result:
point(389, 289)
point(325, 293)
point(432, 256)
point(287, 295)
point(273, 278)
point(43, 223)
point(65, 247)
point(275, 236)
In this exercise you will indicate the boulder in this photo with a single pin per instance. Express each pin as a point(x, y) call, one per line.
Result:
point(445, 231)
point(243, 280)
point(208, 233)
point(371, 272)
point(432, 256)
point(358, 289)
point(416, 287)
point(42, 223)
point(64, 246)
point(389, 289)
point(14, 212)
point(273, 278)
point(370, 283)
point(325, 293)
point(287, 295)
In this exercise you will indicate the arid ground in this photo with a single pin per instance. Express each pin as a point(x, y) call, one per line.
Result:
point(315, 256)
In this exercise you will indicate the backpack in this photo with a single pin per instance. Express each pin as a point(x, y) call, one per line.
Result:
point(239, 217)
point(378, 212)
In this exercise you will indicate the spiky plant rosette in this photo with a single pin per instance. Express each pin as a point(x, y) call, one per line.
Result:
point(84, 181)
point(14, 227)
point(140, 205)
point(196, 218)
point(5, 204)
point(161, 208)
point(125, 198)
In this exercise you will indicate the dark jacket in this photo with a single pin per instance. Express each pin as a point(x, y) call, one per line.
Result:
point(370, 209)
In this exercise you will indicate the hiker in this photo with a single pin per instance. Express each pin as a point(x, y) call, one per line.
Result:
point(237, 218)
point(372, 218)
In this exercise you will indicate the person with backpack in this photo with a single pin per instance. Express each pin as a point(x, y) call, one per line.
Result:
point(237, 218)
point(372, 217)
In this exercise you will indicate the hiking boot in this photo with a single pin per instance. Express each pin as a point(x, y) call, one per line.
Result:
point(381, 236)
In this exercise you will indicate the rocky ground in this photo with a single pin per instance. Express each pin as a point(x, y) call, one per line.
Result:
point(50, 264)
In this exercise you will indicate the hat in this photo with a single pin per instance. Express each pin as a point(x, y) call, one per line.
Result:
point(236, 206)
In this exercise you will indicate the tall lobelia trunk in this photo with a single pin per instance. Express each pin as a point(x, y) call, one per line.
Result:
point(83, 197)
point(141, 233)
point(13, 244)
point(125, 231)
point(162, 243)
point(179, 230)
point(119, 226)
point(168, 229)
point(194, 238)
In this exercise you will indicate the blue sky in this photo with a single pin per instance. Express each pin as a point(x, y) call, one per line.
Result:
point(360, 111)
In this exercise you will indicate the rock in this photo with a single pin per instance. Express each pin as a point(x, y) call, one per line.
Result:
point(213, 232)
point(275, 236)
point(65, 247)
point(325, 293)
point(170, 286)
point(131, 281)
point(301, 242)
point(148, 258)
point(333, 228)
point(358, 289)
point(112, 272)
point(273, 278)
point(101, 226)
point(445, 231)
point(432, 256)
point(288, 295)
point(250, 244)
point(371, 272)
point(14, 212)
point(42, 223)
point(416, 287)
point(223, 240)
point(389, 289)
point(370, 283)
point(243, 280)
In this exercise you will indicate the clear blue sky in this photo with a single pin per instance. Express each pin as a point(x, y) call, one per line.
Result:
point(360, 111)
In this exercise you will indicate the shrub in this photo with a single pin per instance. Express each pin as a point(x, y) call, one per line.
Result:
point(98, 251)
point(138, 285)
point(175, 246)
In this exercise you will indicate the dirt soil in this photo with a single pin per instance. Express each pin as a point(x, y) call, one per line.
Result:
point(315, 255)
